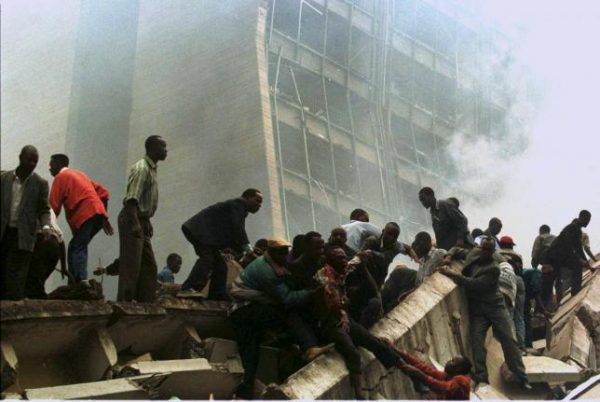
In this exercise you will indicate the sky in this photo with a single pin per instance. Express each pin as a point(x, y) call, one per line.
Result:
point(557, 174)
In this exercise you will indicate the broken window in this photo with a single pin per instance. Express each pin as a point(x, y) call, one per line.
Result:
point(338, 104)
point(292, 148)
point(310, 87)
point(360, 53)
point(402, 135)
point(345, 169)
point(321, 168)
point(337, 38)
point(285, 84)
point(426, 148)
point(424, 91)
point(299, 213)
point(445, 97)
point(465, 110)
point(370, 180)
point(445, 42)
point(401, 67)
point(361, 118)
point(312, 25)
point(409, 196)
point(285, 17)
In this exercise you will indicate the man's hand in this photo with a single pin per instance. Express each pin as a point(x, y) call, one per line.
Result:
point(107, 227)
point(364, 255)
point(447, 272)
point(413, 255)
point(99, 271)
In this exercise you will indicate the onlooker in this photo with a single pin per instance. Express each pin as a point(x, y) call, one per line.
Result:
point(566, 253)
point(304, 268)
point(516, 261)
point(137, 265)
point(261, 246)
point(24, 209)
point(532, 279)
point(46, 254)
point(297, 248)
point(220, 226)
point(359, 229)
point(541, 244)
point(167, 275)
point(338, 238)
point(85, 203)
point(449, 224)
point(486, 307)
point(475, 233)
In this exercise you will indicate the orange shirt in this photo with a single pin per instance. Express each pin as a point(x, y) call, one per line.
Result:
point(81, 197)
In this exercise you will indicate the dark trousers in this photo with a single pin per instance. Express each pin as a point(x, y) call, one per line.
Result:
point(497, 317)
point(528, 328)
point(302, 327)
point(249, 324)
point(400, 281)
point(14, 266)
point(77, 253)
point(348, 342)
point(43, 261)
point(210, 262)
point(565, 273)
point(137, 266)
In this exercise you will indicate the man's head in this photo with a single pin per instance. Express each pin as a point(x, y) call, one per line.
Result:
point(57, 162)
point(495, 226)
point(516, 262)
point(261, 244)
point(336, 258)
point(359, 215)
point(427, 197)
point(253, 199)
point(488, 246)
point(278, 249)
point(458, 366)
point(156, 148)
point(584, 217)
point(28, 159)
point(475, 233)
point(390, 234)
point(314, 246)
point(544, 229)
point(338, 237)
point(507, 243)
point(174, 262)
point(455, 201)
point(422, 244)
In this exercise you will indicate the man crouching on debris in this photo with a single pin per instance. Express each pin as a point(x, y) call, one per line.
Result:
point(260, 297)
point(338, 327)
point(480, 277)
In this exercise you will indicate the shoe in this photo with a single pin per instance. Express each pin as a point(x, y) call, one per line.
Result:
point(526, 385)
point(316, 351)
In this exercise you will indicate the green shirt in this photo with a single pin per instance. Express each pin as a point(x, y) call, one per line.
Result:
point(142, 186)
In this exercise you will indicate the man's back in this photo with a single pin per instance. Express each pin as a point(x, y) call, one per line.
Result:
point(449, 224)
point(166, 276)
point(357, 232)
point(567, 244)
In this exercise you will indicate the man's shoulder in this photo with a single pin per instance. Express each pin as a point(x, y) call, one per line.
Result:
point(38, 179)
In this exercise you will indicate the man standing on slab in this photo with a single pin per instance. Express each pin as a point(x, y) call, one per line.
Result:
point(137, 265)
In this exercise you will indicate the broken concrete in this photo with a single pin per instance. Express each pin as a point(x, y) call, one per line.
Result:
point(111, 389)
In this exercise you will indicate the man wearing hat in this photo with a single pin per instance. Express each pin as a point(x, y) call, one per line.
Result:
point(518, 308)
point(260, 298)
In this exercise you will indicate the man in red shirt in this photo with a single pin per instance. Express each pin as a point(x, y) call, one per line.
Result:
point(85, 203)
point(453, 383)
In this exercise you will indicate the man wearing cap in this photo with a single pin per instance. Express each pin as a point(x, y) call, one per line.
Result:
point(518, 306)
point(260, 300)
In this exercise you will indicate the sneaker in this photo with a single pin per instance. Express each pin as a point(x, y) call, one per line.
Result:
point(526, 385)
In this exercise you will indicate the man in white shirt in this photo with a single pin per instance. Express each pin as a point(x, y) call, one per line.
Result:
point(359, 229)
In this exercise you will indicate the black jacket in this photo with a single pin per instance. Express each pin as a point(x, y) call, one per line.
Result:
point(221, 225)
point(567, 246)
point(449, 225)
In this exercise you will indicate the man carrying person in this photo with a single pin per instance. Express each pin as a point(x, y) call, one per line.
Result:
point(260, 298)
point(167, 275)
point(215, 228)
point(449, 224)
point(24, 209)
point(359, 229)
point(85, 203)
point(486, 307)
point(566, 258)
point(137, 265)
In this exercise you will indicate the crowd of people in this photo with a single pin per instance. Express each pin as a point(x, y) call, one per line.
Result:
point(320, 291)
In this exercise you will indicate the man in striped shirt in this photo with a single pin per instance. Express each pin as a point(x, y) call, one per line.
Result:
point(137, 265)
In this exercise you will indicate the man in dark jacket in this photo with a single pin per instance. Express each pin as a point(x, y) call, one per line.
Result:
point(486, 307)
point(24, 209)
point(220, 226)
point(449, 224)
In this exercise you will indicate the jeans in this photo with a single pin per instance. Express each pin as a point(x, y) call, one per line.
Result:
point(77, 254)
point(14, 266)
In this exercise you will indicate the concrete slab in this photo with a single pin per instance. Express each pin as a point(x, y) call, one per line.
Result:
point(588, 390)
point(119, 389)
point(546, 369)
point(486, 392)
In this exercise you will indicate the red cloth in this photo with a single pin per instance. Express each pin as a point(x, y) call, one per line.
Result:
point(455, 388)
point(81, 197)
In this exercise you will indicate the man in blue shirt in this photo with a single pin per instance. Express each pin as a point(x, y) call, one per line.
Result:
point(167, 275)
